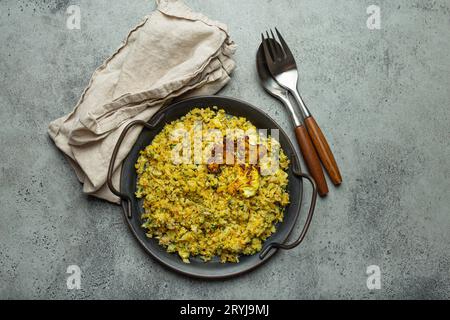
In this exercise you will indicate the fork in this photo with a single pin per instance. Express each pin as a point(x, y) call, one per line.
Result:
point(282, 66)
point(305, 144)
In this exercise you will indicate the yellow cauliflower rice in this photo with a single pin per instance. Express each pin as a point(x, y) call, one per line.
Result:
point(207, 209)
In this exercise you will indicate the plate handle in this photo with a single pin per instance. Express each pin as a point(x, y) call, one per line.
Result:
point(149, 125)
point(312, 206)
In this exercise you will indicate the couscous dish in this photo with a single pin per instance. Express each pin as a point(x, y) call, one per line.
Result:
point(199, 206)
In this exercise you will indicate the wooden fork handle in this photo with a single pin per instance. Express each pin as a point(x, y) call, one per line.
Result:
point(311, 159)
point(324, 151)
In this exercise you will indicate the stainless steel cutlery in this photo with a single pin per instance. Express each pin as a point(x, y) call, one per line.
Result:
point(279, 75)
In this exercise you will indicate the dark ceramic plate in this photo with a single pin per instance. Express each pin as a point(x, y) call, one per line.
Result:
point(133, 206)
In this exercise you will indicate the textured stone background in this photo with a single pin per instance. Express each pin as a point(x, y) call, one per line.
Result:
point(382, 97)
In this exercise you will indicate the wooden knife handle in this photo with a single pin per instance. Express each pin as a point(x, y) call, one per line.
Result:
point(324, 151)
point(311, 159)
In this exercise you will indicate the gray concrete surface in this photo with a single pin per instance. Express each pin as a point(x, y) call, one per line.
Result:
point(381, 96)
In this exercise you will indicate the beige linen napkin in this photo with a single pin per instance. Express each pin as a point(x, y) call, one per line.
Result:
point(173, 53)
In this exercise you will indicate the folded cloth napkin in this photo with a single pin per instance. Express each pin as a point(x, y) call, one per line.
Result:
point(172, 54)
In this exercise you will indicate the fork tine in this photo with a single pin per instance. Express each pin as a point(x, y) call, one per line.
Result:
point(271, 46)
point(277, 48)
point(284, 45)
point(266, 50)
